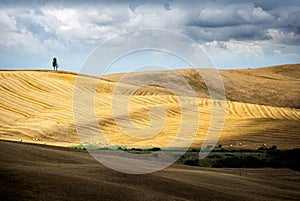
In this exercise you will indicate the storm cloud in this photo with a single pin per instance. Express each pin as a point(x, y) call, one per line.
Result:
point(268, 28)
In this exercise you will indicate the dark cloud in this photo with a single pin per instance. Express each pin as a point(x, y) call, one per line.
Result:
point(241, 32)
point(226, 20)
point(79, 26)
point(203, 20)
point(167, 6)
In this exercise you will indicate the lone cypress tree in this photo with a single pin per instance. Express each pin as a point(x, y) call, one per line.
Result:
point(54, 64)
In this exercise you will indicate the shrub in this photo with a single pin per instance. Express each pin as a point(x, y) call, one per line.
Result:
point(192, 162)
point(155, 149)
point(228, 162)
point(136, 149)
point(209, 147)
point(252, 162)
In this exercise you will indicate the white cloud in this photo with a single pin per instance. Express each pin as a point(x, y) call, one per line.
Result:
point(7, 23)
point(156, 16)
point(279, 36)
point(232, 15)
point(237, 54)
point(228, 31)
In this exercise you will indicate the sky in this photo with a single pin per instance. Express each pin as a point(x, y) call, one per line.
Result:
point(234, 34)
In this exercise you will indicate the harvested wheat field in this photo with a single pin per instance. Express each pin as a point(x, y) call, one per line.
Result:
point(262, 107)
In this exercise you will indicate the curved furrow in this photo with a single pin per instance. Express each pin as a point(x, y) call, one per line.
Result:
point(261, 112)
point(12, 86)
point(12, 111)
point(266, 111)
point(253, 110)
point(31, 84)
point(27, 99)
point(146, 100)
point(283, 113)
point(44, 85)
point(273, 112)
point(296, 114)
point(55, 85)
point(18, 92)
point(237, 108)
point(291, 113)
point(141, 100)
point(25, 80)
point(229, 108)
point(234, 110)
point(51, 84)
point(7, 98)
point(247, 110)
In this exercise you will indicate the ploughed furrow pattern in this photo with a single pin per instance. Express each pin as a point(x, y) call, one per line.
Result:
point(37, 106)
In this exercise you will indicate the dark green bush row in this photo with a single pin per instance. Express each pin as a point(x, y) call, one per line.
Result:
point(274, 158)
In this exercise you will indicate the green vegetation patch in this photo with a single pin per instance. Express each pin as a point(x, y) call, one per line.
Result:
point(220, 157)
point(239, 158)
point(123, 148)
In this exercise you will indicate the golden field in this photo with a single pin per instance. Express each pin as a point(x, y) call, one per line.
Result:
point(262, 107)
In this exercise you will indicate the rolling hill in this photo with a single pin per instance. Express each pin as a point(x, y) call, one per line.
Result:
point(262, 108)
point(272, 86)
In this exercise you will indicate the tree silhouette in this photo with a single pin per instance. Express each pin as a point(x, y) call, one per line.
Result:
point(54, 64)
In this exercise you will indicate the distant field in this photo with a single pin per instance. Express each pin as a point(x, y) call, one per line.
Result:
point(36, 106)
point(272, 86)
